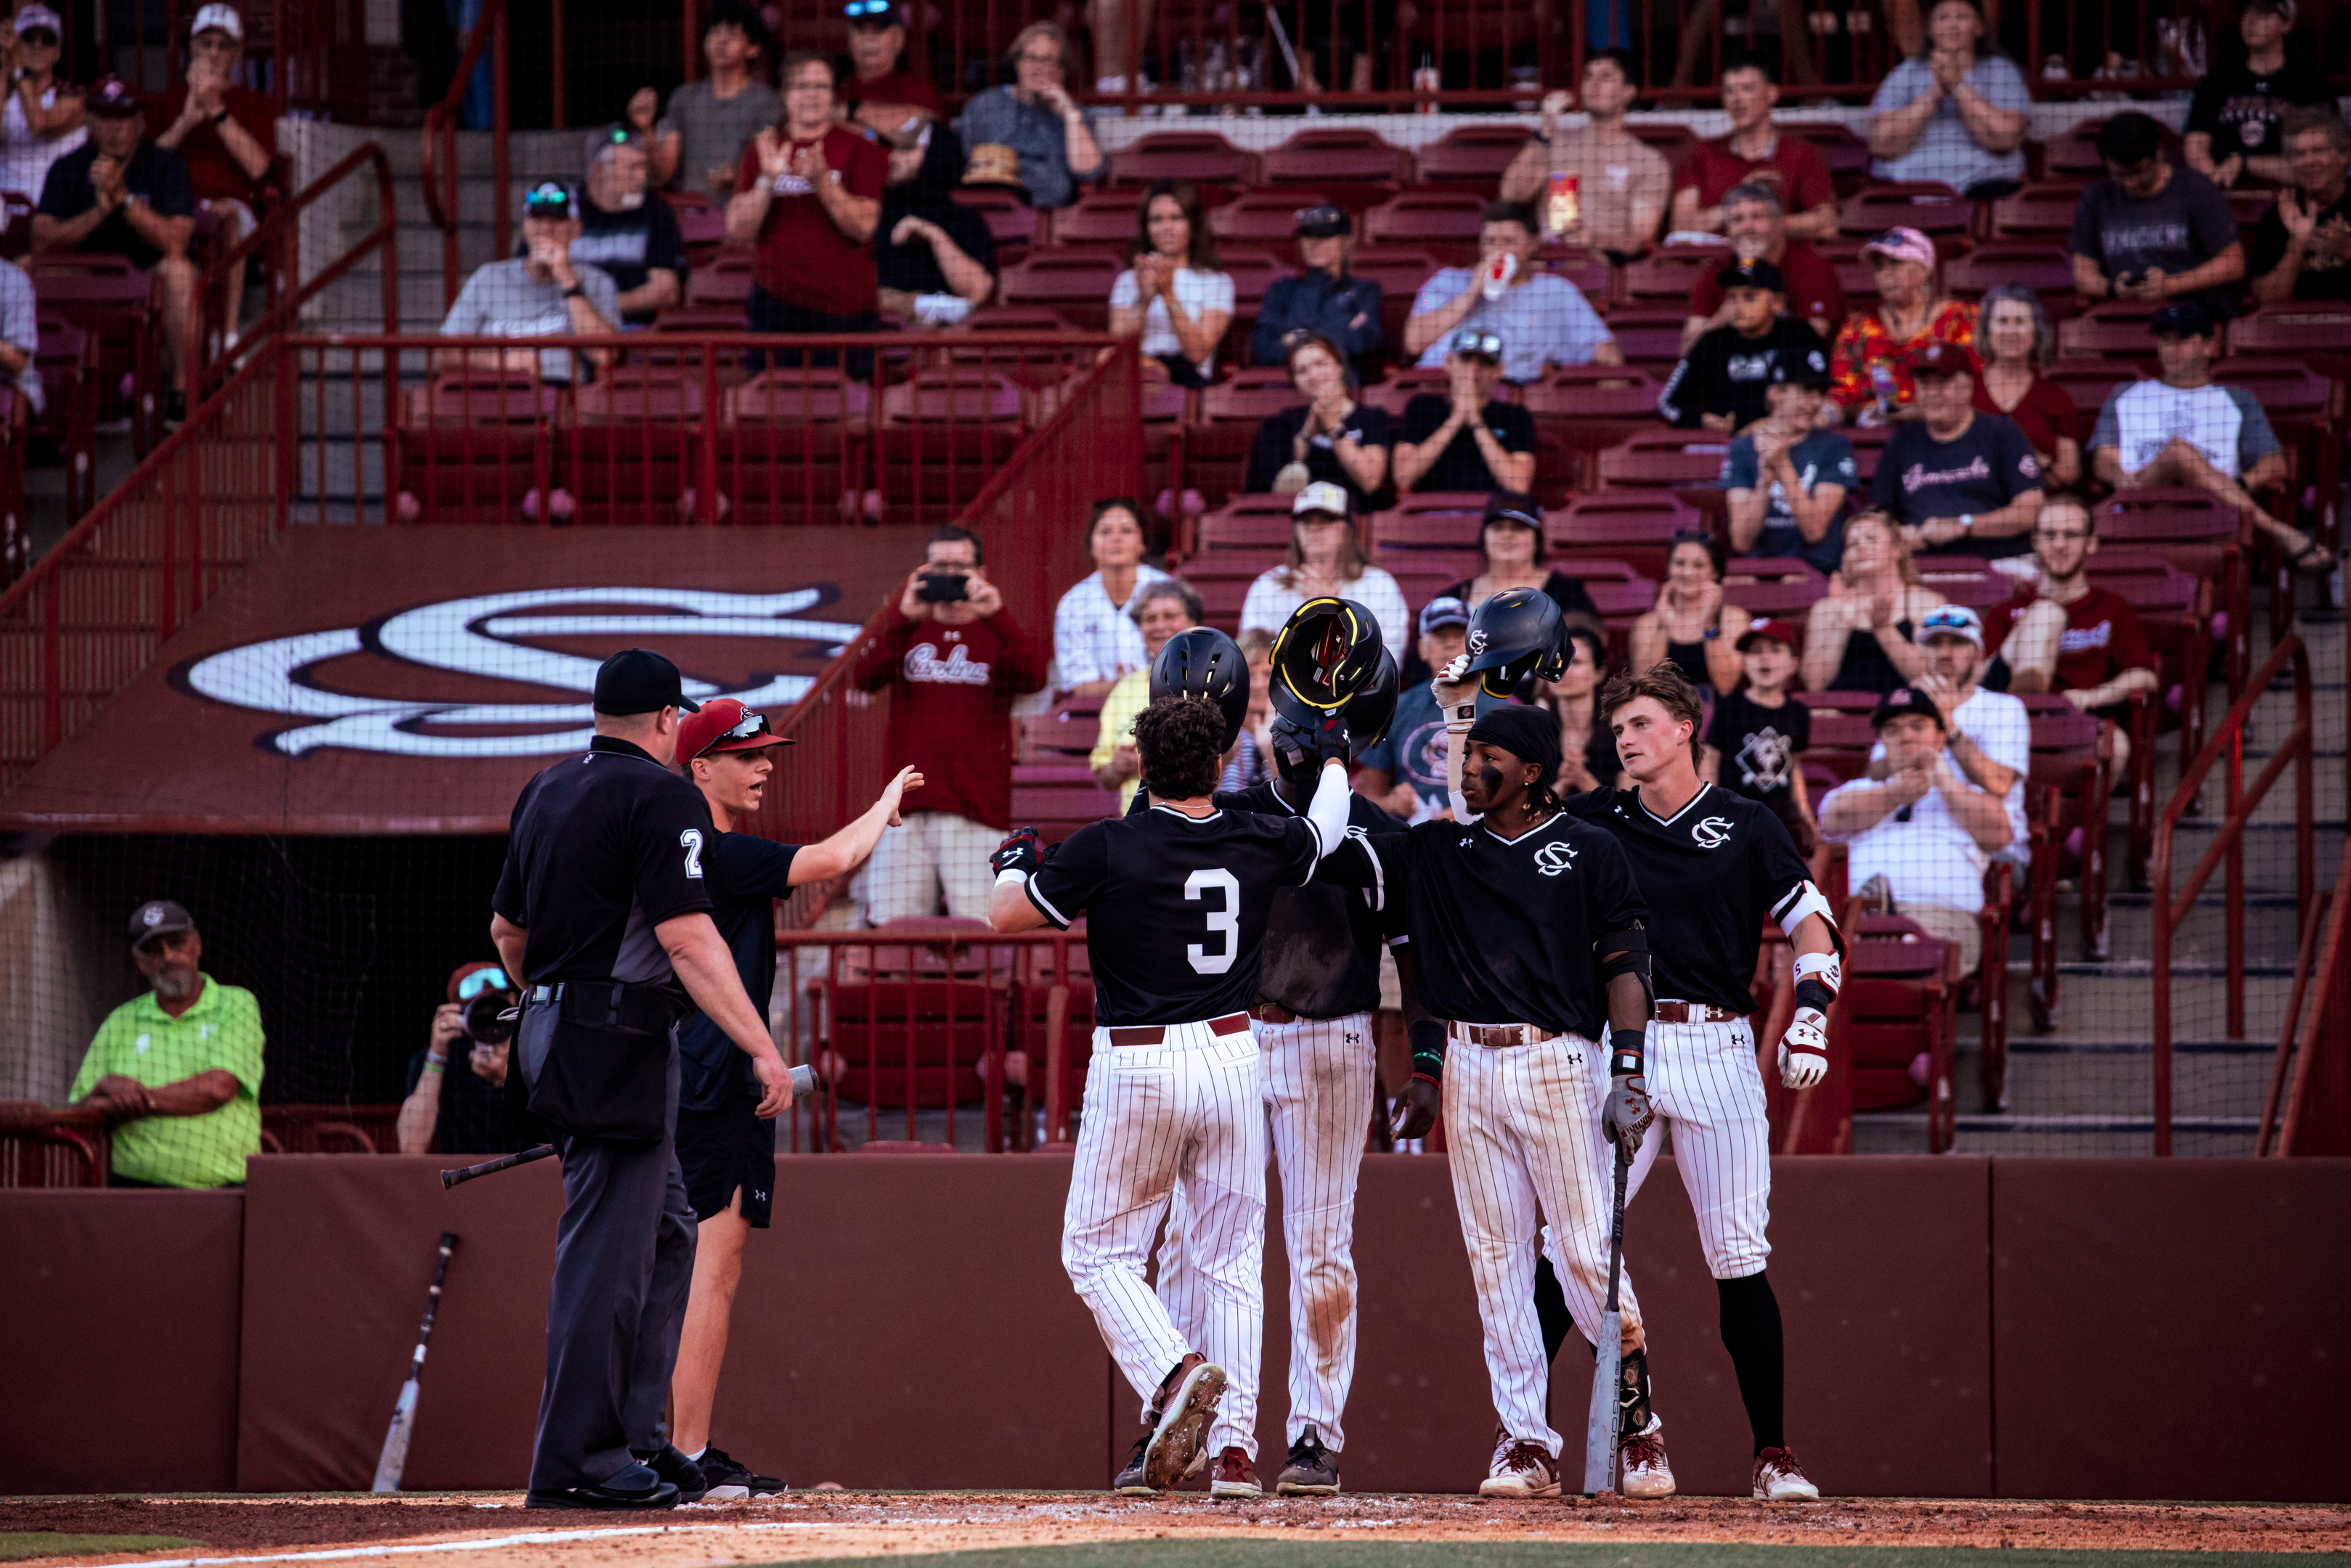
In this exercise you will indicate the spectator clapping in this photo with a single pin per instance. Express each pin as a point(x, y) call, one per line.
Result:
point(1957, 111)
point(1171, 294)
point(1332, 436)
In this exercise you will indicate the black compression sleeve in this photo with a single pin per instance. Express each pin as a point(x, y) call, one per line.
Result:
point(1427, 1037)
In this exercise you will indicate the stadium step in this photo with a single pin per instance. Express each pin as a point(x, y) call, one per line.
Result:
point(2114, 1137)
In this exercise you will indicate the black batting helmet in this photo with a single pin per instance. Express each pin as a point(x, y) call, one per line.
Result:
point(1517, 633)
point(1327, 651)
point(1205, 663)
point(1366, 715)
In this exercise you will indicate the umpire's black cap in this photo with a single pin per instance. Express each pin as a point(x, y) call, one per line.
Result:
point(638, 679)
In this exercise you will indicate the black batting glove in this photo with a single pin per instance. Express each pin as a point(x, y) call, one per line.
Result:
point(1019, 852)
point(1331, 740)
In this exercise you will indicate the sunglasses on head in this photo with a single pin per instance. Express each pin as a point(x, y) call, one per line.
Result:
point(1485, 343)
point(862, 10)
point(750, 724)
point(480, 980)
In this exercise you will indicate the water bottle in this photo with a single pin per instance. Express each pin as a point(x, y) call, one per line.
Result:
point(1881, 382)
point(1425, 79)
point(1498, 276)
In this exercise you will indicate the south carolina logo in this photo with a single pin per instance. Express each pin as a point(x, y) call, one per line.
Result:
point(1554, 858)
point(1477, 641)
point(1711, 833)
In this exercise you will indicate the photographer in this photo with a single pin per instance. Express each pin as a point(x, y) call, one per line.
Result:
point(461, 1110)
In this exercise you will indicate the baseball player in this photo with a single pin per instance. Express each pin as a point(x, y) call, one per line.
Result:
point(1175, 1094)
point(1713, 864)
point(1526, 929)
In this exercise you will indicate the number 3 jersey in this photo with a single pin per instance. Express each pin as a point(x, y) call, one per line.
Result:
point(1176, 907)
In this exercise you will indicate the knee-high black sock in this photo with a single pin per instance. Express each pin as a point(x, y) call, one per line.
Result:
point(1750, 1332)
point(1551, 1309)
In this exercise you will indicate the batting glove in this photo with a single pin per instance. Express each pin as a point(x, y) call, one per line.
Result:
point(1804, 1049)
point(1455, 691)
point(1628, 1113)
point(1331, 742)
point(1018, 854)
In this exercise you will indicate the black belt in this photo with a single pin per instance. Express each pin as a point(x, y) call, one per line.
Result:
point(613, 1003)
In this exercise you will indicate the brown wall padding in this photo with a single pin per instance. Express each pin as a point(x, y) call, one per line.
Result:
point(122, 1315)
point(2172, 1328)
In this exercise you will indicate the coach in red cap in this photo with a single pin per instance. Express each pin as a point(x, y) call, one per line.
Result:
point(727, 1151)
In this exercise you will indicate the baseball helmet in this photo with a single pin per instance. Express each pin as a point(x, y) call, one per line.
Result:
point(1515, 634)
point(1327, 651)
point(1205, 663)
point(1366, 715)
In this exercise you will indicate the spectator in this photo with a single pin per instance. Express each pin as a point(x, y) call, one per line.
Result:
point(1542, 317)
point(934, 259)
point(893, 104)
point(1754, 150)
point(1723, 382)
point(1759, 730)
point(1917, 843)
point(1250, 761)
point(1692, 627)
point(2184, 430)
point(698, 143)
point(1405, 773)
point(2016, 343)
point(954, 663)
point(1587, 747)
point(1611, 186)
point(1161, 609)
point(1029, 134)
point(1989, 734)
point(2061, 632)
point(1959, 482)
point(1332, 435)
point(176, 1072)
point(1172, 293)
point(1955, 112)
point(1466, 439)
point(225, 132)
point(20, 343)
point(1324, 298)
point(1788, 478)
point(1857, 638)
point(542, 293)
point(1095, 640)
point(1869, 365)
point(2235, 129)
point(809, 198)
point(2302, 246)
point(1509, 550)
point(42, 119)
point(1757, 227)
point(2148, 231)
point(465, 1111)
point(636, 242)
point(1325, 560)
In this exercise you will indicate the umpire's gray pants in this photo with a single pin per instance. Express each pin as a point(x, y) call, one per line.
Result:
point(623, 1263)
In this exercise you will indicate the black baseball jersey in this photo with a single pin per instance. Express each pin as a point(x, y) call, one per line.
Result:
point(747, 874)
point(1713, 872)
point(1178, 907)
point(1323, 945)
point(605, 846)
point(1504, 930)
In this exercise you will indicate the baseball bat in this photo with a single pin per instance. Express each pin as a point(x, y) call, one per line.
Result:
point(394, 1457)
point(1600, 1438)
point(803, 1082)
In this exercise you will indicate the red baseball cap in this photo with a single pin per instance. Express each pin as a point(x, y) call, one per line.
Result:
point(1777, 630)
point(1941, 358)
point(723, 724)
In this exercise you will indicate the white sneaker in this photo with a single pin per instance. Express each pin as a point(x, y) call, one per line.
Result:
point(1523, 1468)
point(1778, 1478)
point(1646, 1473)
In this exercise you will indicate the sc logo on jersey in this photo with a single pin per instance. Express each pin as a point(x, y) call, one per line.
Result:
point(1711, 833)
point(1554, 858)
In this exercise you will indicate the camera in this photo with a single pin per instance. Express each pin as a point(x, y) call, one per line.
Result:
point(943, 588)
point(484, 1021)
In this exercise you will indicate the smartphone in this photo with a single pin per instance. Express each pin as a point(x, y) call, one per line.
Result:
point(943, 588)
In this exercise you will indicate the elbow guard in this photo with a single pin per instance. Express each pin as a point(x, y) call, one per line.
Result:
point(1627, 954)
point(1819, 978)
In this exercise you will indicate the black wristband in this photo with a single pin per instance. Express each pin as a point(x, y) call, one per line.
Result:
point(577, 291)
point(1626, 1058)
point(1811, 991)
point(1427, 1037)
point(214, 120)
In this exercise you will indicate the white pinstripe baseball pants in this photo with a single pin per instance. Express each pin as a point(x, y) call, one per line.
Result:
point(1704, 1079)
point(1186, 1113)
point(1318, 1099)
point(1522, 1133)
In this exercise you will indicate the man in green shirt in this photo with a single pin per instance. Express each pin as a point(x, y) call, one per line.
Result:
point(178, 1071)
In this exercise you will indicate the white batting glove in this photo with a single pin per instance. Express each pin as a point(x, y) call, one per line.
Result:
point(1454, 687)
point(1804, 1049)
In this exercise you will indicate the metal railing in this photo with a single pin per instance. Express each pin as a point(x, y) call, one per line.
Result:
point(437, 149)
point(2171, 907)
point(2313, 1072)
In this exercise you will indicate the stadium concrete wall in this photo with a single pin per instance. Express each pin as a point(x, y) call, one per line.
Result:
point(1956, 1328)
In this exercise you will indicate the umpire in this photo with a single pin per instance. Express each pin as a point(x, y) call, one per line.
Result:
point(602, 910)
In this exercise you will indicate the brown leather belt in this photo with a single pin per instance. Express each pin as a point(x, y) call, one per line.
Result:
point(1498, 1036)
point(1695, 1012)
point(1152, 1034)
point(1273, 1012)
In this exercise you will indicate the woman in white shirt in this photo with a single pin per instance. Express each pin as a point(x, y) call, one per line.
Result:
point(1094, 639)
point(1325, 561)
point(1172, 294)
point(42, 119)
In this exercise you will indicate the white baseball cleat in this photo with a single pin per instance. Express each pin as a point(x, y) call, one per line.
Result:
point(1778, 1478)
point(1646, 1473)
point(1523, 1468)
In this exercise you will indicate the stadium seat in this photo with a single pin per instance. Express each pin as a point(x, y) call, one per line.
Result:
point(1222, 585)
point(1410, 381)
point(1253, 396)
point(1356, 164)
point(725, 280)
point(701, 222)
point(67, 360)
point(908, 1043)
point(1256, 525)
point(2313, 326)
point(1105, 222)
point(1590, 408)
point(2200, 536)
point(2174, 615)
point(1635, 526)
point(109, 298)
point(1846, 154)
point(1687, 462)
point(1670, 139)
point(1035, 365)
point(1868, 445)
point(1011, 222)
point(1671, 271)
point(1898, 1004)
point(1399, 274)
point(2115, 329)
point(2037, 211)
point(1253, 271)
point(468, 446)
point(2042, 267)
point(1076, 283)
point(1593, 274)
point(2074, 155)
point(1649, 336)
point(1930, 206)
point(2089, 383)
point(628, 456)
point(942, 435)
point(1445, 223)
point(1203, 157)
point(1475, 154)
point(2068, 790)
point(791, 445)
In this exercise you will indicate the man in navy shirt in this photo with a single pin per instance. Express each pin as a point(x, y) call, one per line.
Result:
point(727, 1151)
point(1959, 482)
point(1322, 299)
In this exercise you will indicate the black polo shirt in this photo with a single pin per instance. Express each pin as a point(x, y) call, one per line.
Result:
point(155, 175)
point(606, 845)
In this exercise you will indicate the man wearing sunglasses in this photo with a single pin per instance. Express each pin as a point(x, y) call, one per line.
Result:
point(727, 1151)
point(464, 1112)
point(893, 104)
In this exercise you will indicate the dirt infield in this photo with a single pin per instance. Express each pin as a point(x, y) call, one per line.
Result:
point(493, 1530)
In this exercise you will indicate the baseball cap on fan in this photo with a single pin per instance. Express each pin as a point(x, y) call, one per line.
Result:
point(1320, 497)
point(222, 17)
point(1952, 620)
point(1902, 244)
point(37, 18)
point(723, 724)
point(112, 98)
point(1443, 610)
point(159, 917)
point(638, 679)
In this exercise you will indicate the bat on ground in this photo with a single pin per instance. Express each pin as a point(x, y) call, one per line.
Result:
point(803, 1082)
point(1600, 1438)
point(394, 1459)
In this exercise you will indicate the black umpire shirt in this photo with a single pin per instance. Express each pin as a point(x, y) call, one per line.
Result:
point(1712, 873)
point(1187, 900)
point(747, 874)
point(605, 846)
point(1505, 930)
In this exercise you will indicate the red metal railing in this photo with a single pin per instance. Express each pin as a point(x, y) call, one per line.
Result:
point(2318, 1104)
point(437, 149)
point(47, 1148)
point(2171, 907)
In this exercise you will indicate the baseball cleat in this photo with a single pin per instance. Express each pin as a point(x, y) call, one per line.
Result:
point(1129, 1481)
point(1235, 1476)
point(731, 1481)
point(1174, 1440)
point(671, 1464)
point(1525, 1468)
point(1780, 1479)
point(1646, 1473)
point(1312, 1469)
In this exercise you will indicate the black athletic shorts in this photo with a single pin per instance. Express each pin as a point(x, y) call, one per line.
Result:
point(722, 1150)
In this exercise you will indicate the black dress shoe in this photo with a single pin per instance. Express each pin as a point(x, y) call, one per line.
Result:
point(671, 1465)
point(636, 1487)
